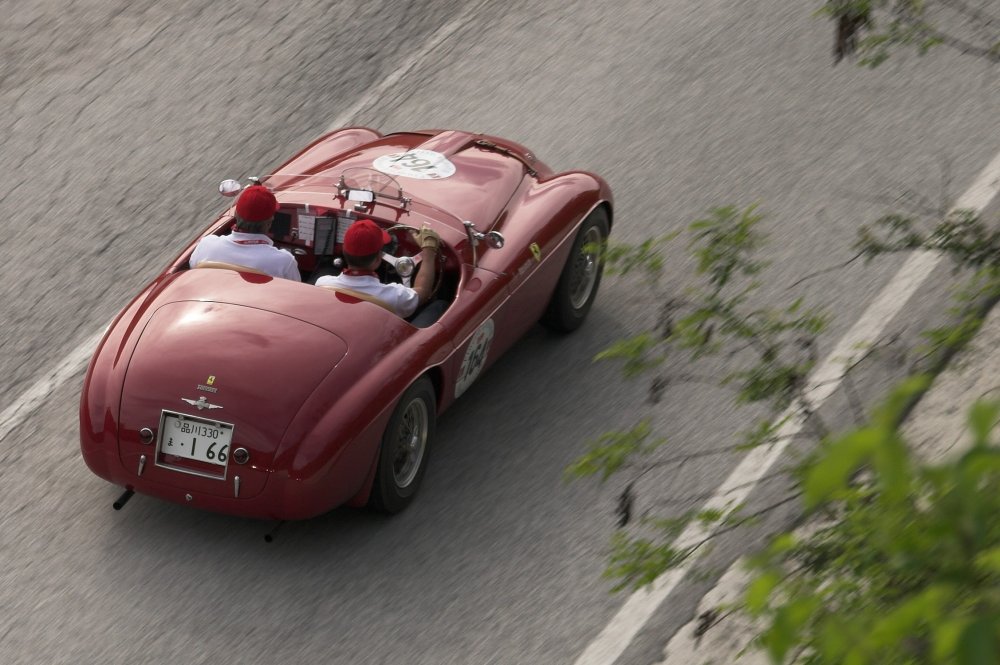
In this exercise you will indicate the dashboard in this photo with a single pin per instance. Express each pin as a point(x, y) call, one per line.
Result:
point(316, 238)
point(311, 235)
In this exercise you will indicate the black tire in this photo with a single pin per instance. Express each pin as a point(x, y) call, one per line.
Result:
point(580, 278)
point(405, 448)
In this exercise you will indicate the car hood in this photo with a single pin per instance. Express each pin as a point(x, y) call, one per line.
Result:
point(256, 367)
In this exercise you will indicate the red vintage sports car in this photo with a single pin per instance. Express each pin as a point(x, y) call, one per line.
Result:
point(233, 391)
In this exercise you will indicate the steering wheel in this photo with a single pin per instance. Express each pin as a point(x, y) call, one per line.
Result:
point(438, 274)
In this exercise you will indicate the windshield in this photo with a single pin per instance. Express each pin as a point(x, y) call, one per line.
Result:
point(355, 184)
point(380, 184)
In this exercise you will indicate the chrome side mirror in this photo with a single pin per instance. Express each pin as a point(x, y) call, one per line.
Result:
point(230, 188)
point(495, 239)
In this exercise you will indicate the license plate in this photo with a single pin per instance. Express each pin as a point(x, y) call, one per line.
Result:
point(195, 438)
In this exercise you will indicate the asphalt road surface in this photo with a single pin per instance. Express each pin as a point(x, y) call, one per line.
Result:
point(119, 120)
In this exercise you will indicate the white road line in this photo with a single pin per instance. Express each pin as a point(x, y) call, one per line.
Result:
point(609, 645)
point(54, 377)
point(376, 93)
point(75, 361)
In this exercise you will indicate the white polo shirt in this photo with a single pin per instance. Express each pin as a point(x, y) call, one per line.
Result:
point(402, 299)
point(253, 250)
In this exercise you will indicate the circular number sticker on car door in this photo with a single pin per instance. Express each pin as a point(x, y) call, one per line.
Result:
point(475, 356)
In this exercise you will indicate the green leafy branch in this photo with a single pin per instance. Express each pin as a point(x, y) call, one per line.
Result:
point(871, 29)
point(963, 235)
point(612, 450)
point(908, 571)
point(636, 561)
point(774, 349)
point(902, 561)
point(972, 244)
point(721, 317)
point(624, 258)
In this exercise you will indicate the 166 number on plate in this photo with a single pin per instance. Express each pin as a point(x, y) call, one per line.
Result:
point(195, 438)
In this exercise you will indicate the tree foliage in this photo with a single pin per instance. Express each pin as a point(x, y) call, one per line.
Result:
point(901, 560)
point(768, 352)
point(871, 29)
point(906, 565)
point(720, 314)
point(972, 243)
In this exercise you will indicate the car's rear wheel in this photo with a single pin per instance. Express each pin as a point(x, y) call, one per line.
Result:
point(581, 276)
point(405, 448)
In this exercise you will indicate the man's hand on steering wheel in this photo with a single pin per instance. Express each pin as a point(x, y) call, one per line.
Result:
point(427, 238)
point(429, 241)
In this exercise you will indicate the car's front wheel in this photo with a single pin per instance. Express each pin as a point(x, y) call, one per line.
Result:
point(405, 448)
point(581, 276)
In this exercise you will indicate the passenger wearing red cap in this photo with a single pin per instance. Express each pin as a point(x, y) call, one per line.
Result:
point(248, 244)
point(363, 245)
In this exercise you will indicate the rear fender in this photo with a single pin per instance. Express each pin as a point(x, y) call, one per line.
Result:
point(331, 445)
point(102, 387)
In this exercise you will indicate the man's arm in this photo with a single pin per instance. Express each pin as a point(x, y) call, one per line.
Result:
point(424, 282)
point(429, 242)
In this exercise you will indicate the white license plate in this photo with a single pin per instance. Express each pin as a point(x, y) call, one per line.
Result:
point(195, 438)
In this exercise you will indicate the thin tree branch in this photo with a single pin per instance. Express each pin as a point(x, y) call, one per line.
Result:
point(823, 271)
point(967, 48)
point(978, 18)
point(677, 501)
point(740, 522)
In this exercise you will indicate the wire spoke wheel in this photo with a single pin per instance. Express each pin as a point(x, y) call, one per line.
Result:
point(581, 275)
point(410, 443)
point(406, 446)
point(586, 265)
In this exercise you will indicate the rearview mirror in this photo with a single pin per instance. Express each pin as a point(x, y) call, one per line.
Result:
point(362, 195)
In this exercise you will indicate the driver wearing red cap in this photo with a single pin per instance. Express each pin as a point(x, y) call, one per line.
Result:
point(363, 245)
point(248, 244)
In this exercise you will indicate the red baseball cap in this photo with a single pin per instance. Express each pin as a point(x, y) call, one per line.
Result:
point(256, 204)
point(364, 238)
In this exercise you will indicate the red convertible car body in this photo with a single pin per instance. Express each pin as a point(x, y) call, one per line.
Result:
point(232, 391)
